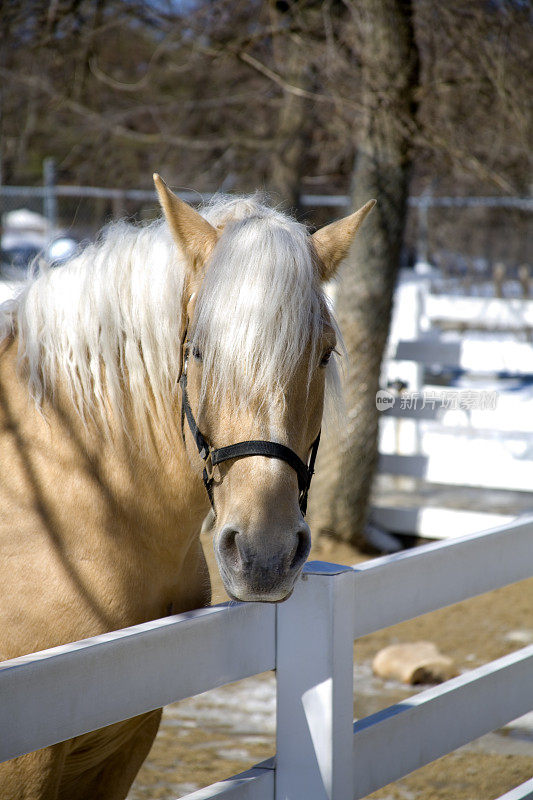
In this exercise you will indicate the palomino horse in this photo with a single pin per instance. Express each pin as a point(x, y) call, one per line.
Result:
point(101, 490)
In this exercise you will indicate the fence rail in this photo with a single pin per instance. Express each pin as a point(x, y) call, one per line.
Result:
point(322, 200)
point(508, 314)
point(493, 356)
point(97, 192)
point(82, 210)
point(69, 690)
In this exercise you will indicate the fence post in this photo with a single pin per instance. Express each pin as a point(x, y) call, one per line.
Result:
point(498, 276)
point(422, 244)
point(50, 199)
point(525, 280)
point(314, 664)
point(119, 205)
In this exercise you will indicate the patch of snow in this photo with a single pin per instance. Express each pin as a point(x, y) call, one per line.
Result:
point(246, 707)
point(234, 754)
point(524, 637)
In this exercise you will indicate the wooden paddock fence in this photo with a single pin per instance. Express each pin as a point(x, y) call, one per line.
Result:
point(66, 691)
point(423, 437)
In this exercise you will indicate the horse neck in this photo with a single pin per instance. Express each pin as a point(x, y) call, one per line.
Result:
point(115, 526)
point(154, 480)
point(151, 486)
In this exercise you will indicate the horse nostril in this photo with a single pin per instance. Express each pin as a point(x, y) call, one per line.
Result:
point(302, 548)
point(227, 545)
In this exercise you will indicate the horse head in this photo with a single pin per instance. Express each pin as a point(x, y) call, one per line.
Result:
point(258, 343)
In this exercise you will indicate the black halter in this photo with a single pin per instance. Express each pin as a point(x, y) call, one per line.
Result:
point(255, 447)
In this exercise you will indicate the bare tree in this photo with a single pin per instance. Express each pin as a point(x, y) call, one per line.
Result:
point(389, 85)
point(263, 91)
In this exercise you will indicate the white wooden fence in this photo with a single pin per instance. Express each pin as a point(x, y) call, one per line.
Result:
point(56, 694)
point(476, 447)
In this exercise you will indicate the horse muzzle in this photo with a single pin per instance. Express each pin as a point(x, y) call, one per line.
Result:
point(256, 569)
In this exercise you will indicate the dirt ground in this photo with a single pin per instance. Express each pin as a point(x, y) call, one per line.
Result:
point(225, 731)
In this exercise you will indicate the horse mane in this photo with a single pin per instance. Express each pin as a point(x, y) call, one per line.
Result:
point(107, 323)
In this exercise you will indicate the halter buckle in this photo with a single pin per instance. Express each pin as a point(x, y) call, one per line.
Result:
point(208, 461)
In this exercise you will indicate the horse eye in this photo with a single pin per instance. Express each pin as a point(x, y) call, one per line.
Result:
point(326, 358)
point(196, 354)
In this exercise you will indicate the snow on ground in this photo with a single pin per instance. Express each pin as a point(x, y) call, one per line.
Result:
point(248, 708)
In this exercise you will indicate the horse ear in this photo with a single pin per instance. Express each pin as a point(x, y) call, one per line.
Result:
point(332, 242)
point(193, 234)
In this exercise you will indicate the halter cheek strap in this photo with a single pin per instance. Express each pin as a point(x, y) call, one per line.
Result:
point(254, 447)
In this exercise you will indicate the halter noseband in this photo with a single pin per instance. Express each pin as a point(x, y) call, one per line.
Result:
point(255, 447)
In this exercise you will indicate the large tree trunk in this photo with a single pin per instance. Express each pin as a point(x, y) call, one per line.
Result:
point(389, 78)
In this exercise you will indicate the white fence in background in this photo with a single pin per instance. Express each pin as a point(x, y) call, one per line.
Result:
point(56, 694)
point(460, 441)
